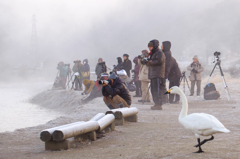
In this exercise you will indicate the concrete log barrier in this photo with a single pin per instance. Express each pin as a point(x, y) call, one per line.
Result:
point(97, 117)
point(105, 122)
point(74, 130)
point(46, 135)
point(123, 113)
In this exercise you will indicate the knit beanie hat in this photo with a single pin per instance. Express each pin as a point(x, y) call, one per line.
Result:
point(150, 44)
point(195, 57)
point(126, 55)
point(113, 76)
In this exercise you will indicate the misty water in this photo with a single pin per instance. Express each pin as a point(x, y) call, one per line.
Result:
point(16, 111)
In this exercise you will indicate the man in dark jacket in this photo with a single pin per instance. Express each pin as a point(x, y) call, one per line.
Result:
point(174, 79)
point(127, 64)
point(100, 68)
point(166, 46)
point(136, 79)
point(116, 94)
point(120, 64)
point(156, 73)
point(77, 67)
point(86, 70)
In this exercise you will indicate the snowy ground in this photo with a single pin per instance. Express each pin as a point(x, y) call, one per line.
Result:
point(158, 134)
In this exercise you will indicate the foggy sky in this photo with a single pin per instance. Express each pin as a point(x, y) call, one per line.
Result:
point(70, 30)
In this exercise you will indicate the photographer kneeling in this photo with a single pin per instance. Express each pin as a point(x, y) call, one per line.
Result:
point(116, 94)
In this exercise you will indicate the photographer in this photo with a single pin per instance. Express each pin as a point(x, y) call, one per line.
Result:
point(136, 79)
point(115, 93)
point(156, 73)
point(195, 76)
point(119, 65)
point(93, 88)
point(143, 76)
point(86, 69)
point(100, 68)
point(77, 67)
point(63, 69)
point(127, 64)
point(174, 77)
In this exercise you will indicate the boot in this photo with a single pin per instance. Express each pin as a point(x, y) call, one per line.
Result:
point(156, 107)
point(120, 105)
point(176, 102)
point(146, 101)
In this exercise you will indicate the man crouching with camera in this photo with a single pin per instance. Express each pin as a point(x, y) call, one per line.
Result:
point(115, 93)
point(156, 73)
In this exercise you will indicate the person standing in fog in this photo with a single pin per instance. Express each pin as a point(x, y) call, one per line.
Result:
point(100, 68)
point(174, 77)
point(143, 77)
point(127, 64)
point(136, 78)
point(195, 76)
point(63, 69)
point(156, 73)
point(77, 67)
point(86, 70)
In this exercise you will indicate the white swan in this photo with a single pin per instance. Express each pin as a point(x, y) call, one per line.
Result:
point(200, 124)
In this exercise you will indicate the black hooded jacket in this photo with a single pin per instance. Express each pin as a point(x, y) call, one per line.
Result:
point(127, 64)
point(118, 88)
point(168, 55)
point(120, 64)
point(175, 72)
point(86, 69)
point(156, 62)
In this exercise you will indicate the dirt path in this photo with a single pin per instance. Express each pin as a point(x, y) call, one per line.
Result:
point(158, 134)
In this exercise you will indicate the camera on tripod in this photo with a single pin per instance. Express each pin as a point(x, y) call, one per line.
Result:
point(143, 58)
point(183, 73)
point(77, 62)
point(217, 54)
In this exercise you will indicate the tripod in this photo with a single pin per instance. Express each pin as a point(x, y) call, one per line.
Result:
point(218, 63)
point(184, 79)
point(146, 94)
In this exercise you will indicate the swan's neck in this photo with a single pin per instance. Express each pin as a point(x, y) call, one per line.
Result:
point(184, 110)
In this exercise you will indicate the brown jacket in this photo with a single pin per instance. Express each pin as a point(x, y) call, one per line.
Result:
point(195, 76)
point(143, 72)
point(156, 62)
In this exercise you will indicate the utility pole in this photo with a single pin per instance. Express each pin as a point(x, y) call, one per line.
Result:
point(34, 53)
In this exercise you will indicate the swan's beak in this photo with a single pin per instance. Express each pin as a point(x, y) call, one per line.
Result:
point(168, 92)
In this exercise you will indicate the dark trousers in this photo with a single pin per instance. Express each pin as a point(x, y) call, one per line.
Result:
point(138, 88)
point(175, 82)
point(158, 88)
point(78, 83)
point(198, 83)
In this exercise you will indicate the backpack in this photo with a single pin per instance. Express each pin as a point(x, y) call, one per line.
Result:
point(210, 92)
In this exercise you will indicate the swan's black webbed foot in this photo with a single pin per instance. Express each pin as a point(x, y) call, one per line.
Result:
point(204, 141)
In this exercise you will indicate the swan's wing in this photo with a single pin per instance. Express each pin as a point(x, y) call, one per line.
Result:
point(201, 121)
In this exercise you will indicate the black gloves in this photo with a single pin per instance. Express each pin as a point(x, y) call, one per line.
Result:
point(194, 71)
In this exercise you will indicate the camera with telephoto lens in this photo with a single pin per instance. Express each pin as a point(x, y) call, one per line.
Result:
point(143, 58)
point(103, 81)
point(102, 63)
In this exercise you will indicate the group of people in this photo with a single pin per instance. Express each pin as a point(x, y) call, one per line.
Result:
point(82, 70)
point(152, 69)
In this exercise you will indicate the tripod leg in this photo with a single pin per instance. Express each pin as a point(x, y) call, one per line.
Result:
point(146, 94)
point(212, 72)
point(224, 83)
point(188, 85)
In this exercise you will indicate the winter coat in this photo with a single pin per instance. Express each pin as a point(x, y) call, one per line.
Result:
point(195, 76)
point(63, 70)
point(86, 70)
point(143, 72)
point(100, 69)
point(118, 88)
point(127, 65)
point(79, 70)
point(175, 71)
point(168, 55)
point(89, 85)
point(120, 64)
point(156, 62)
point(136, 69)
